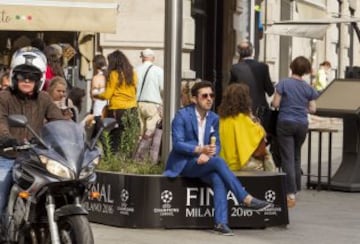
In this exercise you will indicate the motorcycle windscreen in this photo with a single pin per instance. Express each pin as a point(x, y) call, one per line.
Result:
point(66, 138)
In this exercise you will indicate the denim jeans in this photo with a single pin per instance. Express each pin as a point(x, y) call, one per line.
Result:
point(6, 182)
point(290, 137)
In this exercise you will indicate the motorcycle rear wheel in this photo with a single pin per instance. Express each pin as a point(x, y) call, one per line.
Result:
point(75, 229)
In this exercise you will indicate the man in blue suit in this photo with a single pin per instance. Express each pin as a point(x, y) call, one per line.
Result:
point(194, 155)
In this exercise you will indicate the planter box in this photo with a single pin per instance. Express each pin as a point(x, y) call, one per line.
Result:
point(153, 201)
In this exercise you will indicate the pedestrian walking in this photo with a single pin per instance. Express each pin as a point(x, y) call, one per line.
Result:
point(295, 98)
point(120, 91)
point(149, 93)
point(255, 74)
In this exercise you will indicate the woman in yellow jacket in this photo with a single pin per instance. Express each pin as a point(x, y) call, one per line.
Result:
point(120, 91)
point(241, 135)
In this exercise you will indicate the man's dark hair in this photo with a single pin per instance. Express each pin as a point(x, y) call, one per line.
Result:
point(202, 84)
point(300, 66)
point(245, 49)
point(38, 43)
point(325, 63)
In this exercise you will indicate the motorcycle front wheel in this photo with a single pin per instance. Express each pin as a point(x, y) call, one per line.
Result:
point(75, 229)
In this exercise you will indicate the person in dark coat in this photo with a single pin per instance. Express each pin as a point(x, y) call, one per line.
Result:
point(253, 73)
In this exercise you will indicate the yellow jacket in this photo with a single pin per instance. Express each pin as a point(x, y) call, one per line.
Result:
point(239, 137)
point(321, 80)
point(120, 96)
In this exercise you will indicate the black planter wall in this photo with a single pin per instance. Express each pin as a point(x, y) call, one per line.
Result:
point(153, 201)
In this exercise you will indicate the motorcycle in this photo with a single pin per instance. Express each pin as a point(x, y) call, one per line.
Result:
point(51, 178)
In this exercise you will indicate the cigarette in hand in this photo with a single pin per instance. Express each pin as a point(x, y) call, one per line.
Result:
point(212, 140)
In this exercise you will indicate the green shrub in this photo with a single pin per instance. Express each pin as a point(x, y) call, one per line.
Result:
point(122, 161)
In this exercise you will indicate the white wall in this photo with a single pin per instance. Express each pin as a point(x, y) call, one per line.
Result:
point(140, 25)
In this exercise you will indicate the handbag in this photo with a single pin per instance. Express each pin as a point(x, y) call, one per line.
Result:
point(105, 111)
point(260, 151)
point(268, 119)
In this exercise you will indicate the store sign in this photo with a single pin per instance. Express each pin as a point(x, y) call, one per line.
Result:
point(156, 201)
point(4, 17)
point(66, 15)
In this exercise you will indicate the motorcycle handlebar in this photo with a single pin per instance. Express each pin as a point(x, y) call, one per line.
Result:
point(18, 148)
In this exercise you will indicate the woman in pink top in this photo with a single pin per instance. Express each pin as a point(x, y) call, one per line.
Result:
point(54, 65)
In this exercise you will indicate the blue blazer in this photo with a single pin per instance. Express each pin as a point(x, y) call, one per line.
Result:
point(184, 129)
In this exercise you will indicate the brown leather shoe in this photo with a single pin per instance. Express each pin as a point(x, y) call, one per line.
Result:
point(291, 202)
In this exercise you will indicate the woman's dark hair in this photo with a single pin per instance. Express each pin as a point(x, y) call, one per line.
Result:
point(119, 62)
point(99, 63)
point(54, 61)
point(5, 74)
point(202, 84)
point(38, 43)
point(300, 66)
point(236, 99)
point(76, 95)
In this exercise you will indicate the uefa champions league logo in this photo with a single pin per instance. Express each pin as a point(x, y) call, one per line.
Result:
point(270, 196)
point(166, 197)
point(124, 196)
point(124, 209)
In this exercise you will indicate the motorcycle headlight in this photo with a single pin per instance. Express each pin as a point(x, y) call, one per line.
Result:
point(56, 168)
point(85, 172)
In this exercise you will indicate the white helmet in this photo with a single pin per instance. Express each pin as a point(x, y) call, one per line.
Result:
point(28, 60)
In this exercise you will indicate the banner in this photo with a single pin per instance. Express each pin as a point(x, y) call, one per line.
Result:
point(153, 201)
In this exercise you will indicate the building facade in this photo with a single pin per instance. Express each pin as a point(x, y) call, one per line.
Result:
point(212, 28)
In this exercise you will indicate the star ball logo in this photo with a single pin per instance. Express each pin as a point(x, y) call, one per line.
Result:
point(270, 196)
point(166, 197)
point(124, 209)
point(124, 195)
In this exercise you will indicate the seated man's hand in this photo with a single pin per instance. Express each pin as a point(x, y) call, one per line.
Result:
point(203, 159)
point(212, 150)
point(209, 150)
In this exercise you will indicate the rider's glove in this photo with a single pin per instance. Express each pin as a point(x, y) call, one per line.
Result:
point(8, 142)
point(34, 140)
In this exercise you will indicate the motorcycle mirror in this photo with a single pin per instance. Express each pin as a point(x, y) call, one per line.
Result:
point(107, 123)
point(17, 120)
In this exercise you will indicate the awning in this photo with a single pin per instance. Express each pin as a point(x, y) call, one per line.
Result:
point(51, 15)
point(315, 28)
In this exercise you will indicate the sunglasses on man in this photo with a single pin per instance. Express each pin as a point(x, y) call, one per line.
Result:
point(207, 95)
point(28, 76)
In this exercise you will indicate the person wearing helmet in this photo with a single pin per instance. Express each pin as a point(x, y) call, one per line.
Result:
point(27, 77)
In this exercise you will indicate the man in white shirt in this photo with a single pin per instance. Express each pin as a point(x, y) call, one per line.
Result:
point(149, 92)
point(196, 155)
